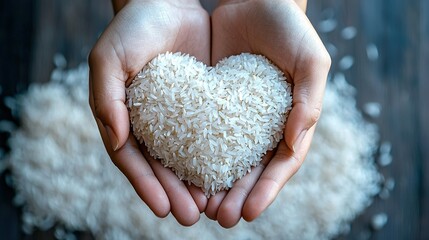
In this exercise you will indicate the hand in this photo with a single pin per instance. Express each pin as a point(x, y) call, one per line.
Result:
point(141, 30)
point(279, 30)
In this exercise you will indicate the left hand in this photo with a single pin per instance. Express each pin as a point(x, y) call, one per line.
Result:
point(141, 30)
point(279, 30)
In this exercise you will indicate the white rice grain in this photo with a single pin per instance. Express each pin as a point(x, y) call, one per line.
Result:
point(239, 84)
point(62, 171)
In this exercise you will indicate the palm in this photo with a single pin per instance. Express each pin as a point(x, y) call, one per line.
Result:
point(271, 28)
point(165, 27)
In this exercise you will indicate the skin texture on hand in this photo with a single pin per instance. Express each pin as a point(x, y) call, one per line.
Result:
point(279, 30)
point(139, 31)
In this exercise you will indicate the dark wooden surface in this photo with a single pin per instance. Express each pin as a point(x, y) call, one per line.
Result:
point(397, 80)
point(32, 31)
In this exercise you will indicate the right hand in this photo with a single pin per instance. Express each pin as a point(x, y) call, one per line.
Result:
point(140, 31)
point(279, 30)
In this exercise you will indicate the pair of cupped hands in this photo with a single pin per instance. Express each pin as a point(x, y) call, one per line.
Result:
point(141, 29)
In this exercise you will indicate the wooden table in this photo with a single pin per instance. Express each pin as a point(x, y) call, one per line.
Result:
point(32, 31)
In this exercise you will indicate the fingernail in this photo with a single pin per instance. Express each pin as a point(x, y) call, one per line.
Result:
point(112, 137)
point(298, 141)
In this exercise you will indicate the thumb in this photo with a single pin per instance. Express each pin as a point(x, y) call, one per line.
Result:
point(307, 97)
point(107, 98)
point(301, 118)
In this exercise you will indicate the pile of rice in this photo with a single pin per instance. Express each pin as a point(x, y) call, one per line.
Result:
point(63, 175)
point(209, 124)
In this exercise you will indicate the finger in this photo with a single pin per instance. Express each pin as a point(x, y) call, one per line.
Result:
point(198, 196)
point(213, 204)
point(230, 210)
point(108, 96)
point(268, 156)
point(133, 165)
point(308, 90)
point(229, 213)
point(183, 206)
point(279, 170)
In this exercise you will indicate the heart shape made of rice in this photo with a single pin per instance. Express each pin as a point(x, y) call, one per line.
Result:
point(210, 125)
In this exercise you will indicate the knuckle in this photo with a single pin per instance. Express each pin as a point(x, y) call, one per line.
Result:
point(242, 191)
point(296, 163)
point(324, 59)
point(321, 58)
point(315, 114)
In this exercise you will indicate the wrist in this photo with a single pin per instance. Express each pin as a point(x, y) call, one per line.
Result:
point(301, 3)
point(119, 4)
